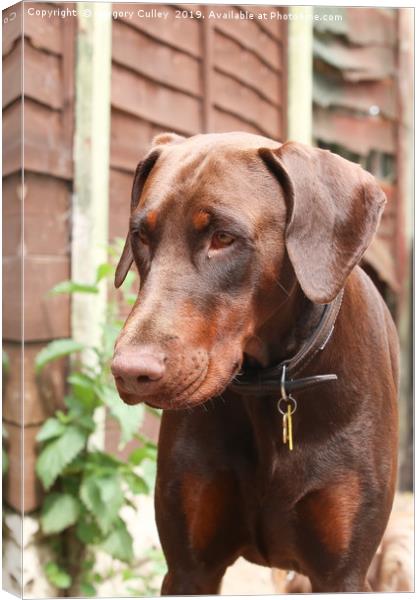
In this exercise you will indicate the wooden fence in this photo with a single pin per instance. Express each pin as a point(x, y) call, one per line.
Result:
point(186, 75)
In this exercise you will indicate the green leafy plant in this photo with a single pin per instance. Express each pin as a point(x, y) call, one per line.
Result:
point(86, 486)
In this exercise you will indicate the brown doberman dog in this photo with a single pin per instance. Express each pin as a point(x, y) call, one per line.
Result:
point(247, 252)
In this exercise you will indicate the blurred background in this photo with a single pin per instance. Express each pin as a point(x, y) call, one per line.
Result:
point(95, 83)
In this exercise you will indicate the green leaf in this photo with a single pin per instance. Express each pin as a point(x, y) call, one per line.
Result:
point(64, 417)
point(54, 350)
point(136, 483)
point(57, 576)
point(87, 530)
point(149, 472)
point(87, 423)
point(103, 459)
point(119, 543)
point(84, 390)
point(87, 589)
point(141, 453)
point(59, 512)
point(52, 428)
point(4, 462)
point(5, 363)
point(128, 574)
point(58, 453)
point(70, 481)
point(72, 287)
point(129, 417)
point(103, 497)
point(88, 564)
point(104, 270)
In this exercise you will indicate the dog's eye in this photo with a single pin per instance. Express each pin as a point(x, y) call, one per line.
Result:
point(220, 240)
point(143, 238)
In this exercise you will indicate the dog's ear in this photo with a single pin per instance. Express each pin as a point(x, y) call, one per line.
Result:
point(333, 210)
point(142, 171)
point(162, 139)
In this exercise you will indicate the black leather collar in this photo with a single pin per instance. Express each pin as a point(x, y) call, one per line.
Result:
point(262, 382)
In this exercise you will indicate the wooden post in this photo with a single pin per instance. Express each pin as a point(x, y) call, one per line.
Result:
point(207, 72)
point(404, 237)
point(299, 108)
point(91, 174)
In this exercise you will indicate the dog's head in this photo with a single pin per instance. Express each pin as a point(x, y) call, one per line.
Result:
point(215, 220)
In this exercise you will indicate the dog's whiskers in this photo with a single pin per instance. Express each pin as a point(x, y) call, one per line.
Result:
point(281, 286)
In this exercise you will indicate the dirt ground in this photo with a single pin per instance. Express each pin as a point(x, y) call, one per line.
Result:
point(244, 578)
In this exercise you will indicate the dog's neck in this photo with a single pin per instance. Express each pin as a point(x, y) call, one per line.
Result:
point(285, 330)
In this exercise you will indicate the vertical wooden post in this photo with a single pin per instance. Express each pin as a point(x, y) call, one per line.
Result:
point(404, 236)
point(300, 74)
point(91, 173)
point(207, 72)
point(284, 82)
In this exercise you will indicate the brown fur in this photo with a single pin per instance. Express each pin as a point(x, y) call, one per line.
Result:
point(392, 568)
point(331, 512)
point(301, 219)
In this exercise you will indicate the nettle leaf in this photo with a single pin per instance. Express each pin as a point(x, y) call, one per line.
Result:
point(59, 512)
point(83, 388)
point(119, 543)
point(104, 460)
point(103, 497)
point(104, 270)
point(52, 428)
point(57, 576)
point(143, 452)
point(87, 530)
point(70, 481)
point(58, 453)
point(129, 418)
point(87, 422)
point(136, 483)
point(54, 350)
point(73, 287)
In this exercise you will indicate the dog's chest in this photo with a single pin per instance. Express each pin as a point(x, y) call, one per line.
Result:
point(270, 494)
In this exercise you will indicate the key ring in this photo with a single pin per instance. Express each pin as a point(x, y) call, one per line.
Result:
point(288, 399)
point(284, 397)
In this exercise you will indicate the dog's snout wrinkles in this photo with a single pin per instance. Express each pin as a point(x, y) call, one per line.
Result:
point(135, 366)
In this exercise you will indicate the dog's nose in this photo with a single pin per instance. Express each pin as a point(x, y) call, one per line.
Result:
point(135, 366)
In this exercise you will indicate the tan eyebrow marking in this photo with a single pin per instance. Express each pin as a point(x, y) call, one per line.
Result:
point(200, 220)
point(151, 219)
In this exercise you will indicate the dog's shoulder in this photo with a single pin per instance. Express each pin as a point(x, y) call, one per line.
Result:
point(366, 309)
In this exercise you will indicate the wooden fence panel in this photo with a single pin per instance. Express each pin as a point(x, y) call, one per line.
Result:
point(355, 108)
point(150, 101)
point(150, 58)
point(48, 45)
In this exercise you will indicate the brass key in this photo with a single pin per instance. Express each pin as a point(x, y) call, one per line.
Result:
point(287, 423)
point(285, 428)
point(288, 416)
